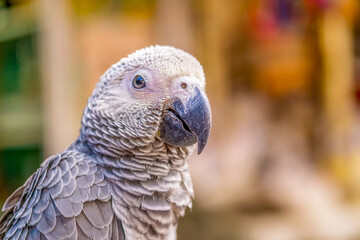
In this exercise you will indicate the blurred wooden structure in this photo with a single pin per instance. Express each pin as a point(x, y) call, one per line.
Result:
point(61, 86)
point(342, 120)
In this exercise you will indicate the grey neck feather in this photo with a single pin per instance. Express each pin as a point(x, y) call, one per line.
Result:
point(150, 181)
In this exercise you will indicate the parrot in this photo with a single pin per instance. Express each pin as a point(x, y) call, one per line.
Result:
point(126, 176)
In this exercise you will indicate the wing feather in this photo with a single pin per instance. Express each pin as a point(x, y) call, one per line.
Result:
point(99, 213)
point(66, 198)
point(47, 221)
point(13, 199)
point(89, 230)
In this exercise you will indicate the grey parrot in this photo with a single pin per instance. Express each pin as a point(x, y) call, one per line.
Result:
point(126, 176)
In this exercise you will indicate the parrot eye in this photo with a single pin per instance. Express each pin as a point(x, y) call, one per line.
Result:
point(139, 82)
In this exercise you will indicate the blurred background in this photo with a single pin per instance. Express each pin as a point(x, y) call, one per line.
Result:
point(283, 79)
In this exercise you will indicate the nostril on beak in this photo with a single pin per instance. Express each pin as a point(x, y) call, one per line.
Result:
point(183, 85)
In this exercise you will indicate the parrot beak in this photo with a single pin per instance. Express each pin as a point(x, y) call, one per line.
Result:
point(186, 122)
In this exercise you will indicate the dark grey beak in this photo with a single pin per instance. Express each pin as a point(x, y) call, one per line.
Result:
point(185, 123)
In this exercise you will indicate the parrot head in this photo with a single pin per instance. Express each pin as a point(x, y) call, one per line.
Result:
point(154, 93)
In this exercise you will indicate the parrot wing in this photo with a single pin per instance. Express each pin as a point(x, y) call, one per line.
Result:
point(66, 198)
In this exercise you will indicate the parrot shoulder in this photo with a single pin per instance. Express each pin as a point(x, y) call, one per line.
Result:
point(66, 198)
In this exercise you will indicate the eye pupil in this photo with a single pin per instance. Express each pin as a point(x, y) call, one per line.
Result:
point(139, 82)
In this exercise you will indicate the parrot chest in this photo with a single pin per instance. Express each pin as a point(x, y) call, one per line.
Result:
point(149, 196)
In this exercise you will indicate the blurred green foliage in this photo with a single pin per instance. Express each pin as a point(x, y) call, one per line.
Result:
point(16, 165)
point(20, 95)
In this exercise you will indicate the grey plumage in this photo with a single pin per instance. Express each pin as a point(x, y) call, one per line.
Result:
point(119, 179)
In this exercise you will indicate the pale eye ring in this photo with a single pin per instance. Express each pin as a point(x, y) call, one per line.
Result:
point(139, 82)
